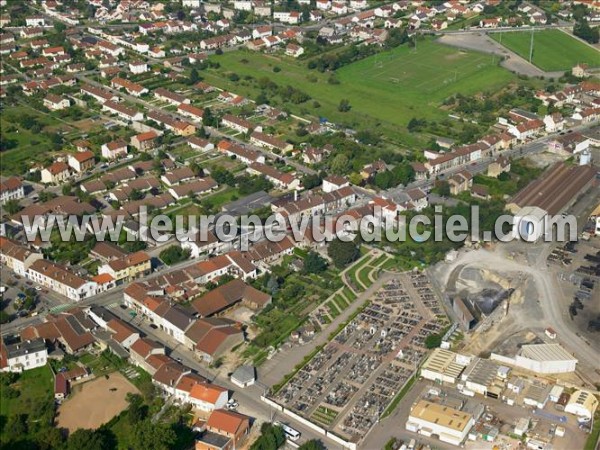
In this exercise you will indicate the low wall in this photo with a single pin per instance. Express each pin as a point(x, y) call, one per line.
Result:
point(309, 424)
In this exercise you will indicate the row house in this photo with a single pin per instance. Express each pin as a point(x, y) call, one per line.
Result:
point(270, 142)
point(60, 280)
point(193, 112)
point(247, 156)
point(134, 89)
point(170, 97)
point(17, 257)
point(100, 95)
point(128, 267)
point(193, 188)
point(203, 145)
point(231, 263)
point(177, 176)
point(123, 111)
point(179, 127)
point(217, 42)
point(279, 179)
point(291, 17)
point(526, 130)
point(312, 205)
point(237, 123)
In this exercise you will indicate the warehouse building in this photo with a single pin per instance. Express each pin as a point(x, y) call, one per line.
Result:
point(448, 424)
point(583, 404)
point(541, 358)
point(444, 366)
point(480, 377)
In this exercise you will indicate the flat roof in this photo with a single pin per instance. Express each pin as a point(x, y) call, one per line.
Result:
point(443, 362)
point(441, 415)
point(546, 352)
point(482, 372)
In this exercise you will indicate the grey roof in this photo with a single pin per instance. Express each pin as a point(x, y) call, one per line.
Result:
point(244, 374)
point(24, 347)
point(214, 439)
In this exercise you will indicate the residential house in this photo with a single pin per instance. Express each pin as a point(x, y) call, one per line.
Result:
point(56, 173)
point(82, 161)
point(129, 267)
point(55, 102)
point(19, 356)
point(11, 189)
point(114, 149)
point(212, 337)
point(498, 166)
point(17, 257)
point(145, 141)
point(233, 426)
point(460, 182)
point(60, 280)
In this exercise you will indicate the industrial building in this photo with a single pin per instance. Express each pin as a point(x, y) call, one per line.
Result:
point(444, 366)
point(583, 404)
point(541, 358)
point(481, 377)
point(448, 424)
point(554, 191)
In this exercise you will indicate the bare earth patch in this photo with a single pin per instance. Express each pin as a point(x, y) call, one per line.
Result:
point(94, 403)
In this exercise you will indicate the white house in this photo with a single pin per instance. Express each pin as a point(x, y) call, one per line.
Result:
point(23, 355)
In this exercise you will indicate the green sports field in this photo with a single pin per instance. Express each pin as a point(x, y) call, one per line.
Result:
point(389, 88)
point(553, 50)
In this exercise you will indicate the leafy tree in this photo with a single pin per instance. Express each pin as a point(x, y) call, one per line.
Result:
point(442, 188)
point(343, 253)
point(311, 181)
point(340, 164)
point(12, 207)
point(174, 255)
point(433, 341)
point(271, 438)
point(314, 263)
point(88, 439)
point(583, 30)
point(194, 76)
point(223, 176)
point(344, 105)
point(148, 435)
point(59, 26)
point(313, 444)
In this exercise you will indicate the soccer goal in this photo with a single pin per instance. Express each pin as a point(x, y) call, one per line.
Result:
point(395, 80)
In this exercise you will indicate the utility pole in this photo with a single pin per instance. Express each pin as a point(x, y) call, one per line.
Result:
point(531, 46)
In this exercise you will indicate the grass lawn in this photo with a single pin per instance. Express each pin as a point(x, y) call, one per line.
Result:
point(384, 90)
point(30, 146)
point(363, 276)
point(553, 50)
point(34, 386)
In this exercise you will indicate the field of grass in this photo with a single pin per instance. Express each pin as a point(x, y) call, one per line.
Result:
point(35, 386)
point(385, 90)
point(553, 50)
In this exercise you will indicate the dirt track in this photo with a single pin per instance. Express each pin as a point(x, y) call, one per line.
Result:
point(93, 403)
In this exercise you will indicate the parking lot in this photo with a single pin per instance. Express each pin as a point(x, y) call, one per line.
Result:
point(347, 386)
